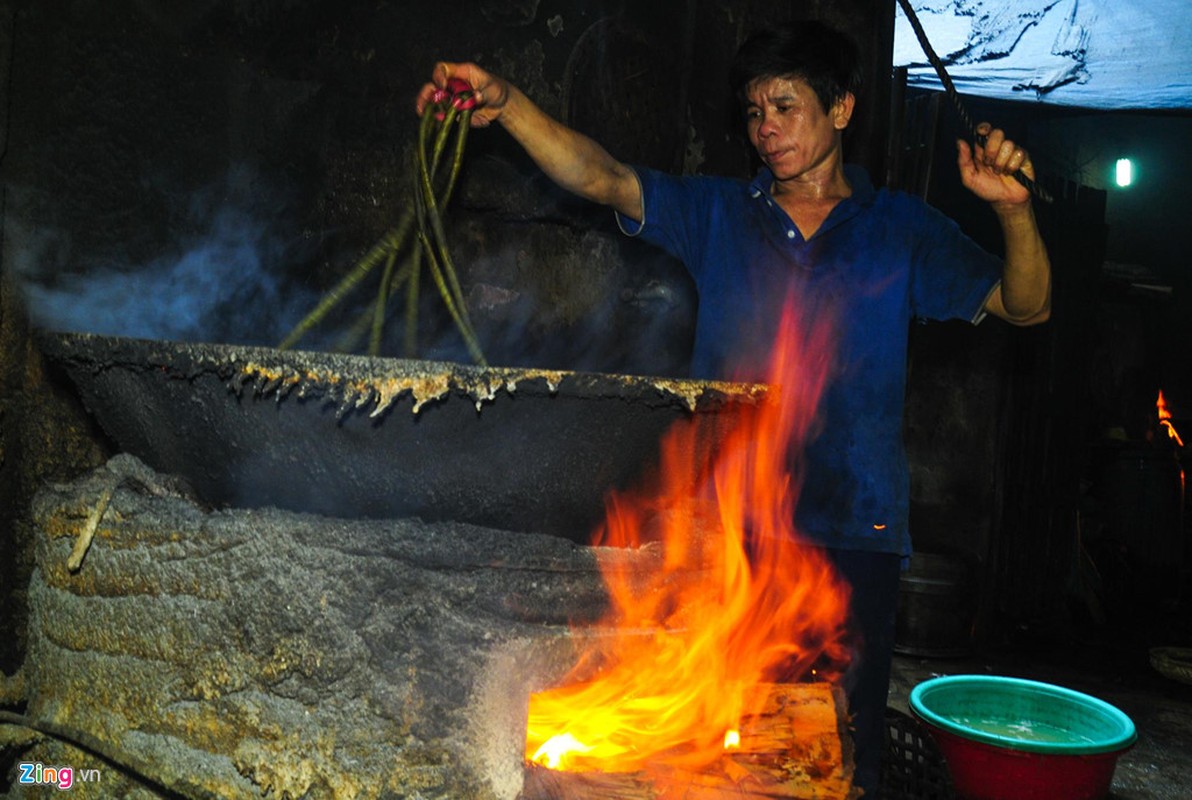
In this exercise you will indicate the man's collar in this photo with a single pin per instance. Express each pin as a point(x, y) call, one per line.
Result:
point(857, 177)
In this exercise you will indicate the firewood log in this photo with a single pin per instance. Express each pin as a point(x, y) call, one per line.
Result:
point(797, 747)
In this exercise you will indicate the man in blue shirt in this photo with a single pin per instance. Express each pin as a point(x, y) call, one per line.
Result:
point(879, 259)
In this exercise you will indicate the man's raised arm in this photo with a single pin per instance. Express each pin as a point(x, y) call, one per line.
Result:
point(1024, 295)
point(573, 161)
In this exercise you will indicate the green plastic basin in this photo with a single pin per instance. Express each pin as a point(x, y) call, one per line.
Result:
point(1016, 739)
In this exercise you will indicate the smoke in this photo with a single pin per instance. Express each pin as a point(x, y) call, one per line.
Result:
point(227, 276)
point(222, 282)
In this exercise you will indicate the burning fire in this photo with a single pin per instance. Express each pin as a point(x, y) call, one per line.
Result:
point(1165, 420)
point(736, 601)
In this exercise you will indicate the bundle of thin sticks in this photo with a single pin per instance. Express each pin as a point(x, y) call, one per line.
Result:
point(418, 240)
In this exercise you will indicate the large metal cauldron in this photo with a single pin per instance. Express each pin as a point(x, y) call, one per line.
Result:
point(353, 436)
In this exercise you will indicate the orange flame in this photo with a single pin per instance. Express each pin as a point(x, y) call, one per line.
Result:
point(737, 601)
point(1165, 419)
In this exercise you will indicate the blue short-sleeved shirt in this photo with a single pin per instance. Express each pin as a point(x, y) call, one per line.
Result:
point(880, 260)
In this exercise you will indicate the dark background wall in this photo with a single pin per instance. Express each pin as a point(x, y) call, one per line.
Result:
point(232, 159)
point(1054, 430)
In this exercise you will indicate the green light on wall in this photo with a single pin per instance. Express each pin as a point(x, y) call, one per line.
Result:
point(1123, 172)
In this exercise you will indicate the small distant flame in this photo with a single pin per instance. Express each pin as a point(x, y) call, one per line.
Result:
point(1165, 419)
point(738, 600)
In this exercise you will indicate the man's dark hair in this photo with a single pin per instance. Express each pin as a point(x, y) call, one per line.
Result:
point(822, 56)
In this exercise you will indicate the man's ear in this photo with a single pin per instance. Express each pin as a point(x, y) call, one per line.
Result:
point(842, 111)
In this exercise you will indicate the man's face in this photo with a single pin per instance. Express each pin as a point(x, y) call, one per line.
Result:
point(788, 127)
